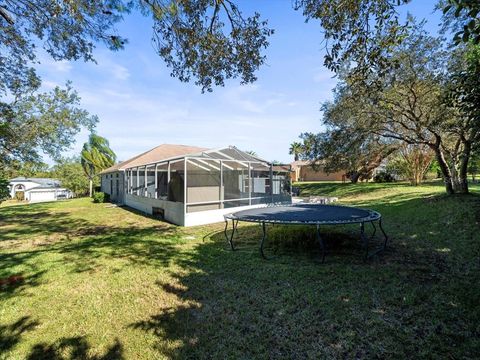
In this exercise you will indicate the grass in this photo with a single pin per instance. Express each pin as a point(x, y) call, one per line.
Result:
point(90, 281)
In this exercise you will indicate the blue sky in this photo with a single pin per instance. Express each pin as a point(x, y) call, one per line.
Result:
point(140, 106)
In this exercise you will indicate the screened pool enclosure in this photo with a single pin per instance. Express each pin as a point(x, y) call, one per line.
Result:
point(199, 188)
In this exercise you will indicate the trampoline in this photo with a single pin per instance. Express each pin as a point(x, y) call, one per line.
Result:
point(309, 214)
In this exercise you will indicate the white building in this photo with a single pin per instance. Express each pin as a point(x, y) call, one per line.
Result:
point(38, 189)
point(188, 185)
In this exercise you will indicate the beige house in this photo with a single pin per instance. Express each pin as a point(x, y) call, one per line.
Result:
point(189, 185)
point(303, 171)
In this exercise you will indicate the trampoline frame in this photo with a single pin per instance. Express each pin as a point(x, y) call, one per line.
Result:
point(373, 216)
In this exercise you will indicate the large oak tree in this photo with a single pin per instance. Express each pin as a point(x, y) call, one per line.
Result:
point(414, 104)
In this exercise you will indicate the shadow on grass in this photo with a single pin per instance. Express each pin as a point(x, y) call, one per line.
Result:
point(72, 349)
point(415, 300)
point(10, 335)
point(421, 298)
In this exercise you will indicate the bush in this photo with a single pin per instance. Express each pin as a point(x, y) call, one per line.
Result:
point(4, 191)
point(100, 197)
point(383, 177)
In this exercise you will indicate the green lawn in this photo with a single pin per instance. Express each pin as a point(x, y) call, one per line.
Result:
point(90, 281)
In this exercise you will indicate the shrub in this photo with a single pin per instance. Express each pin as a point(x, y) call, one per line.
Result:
point(383, 177)
point(4, 191)
point(100, 197)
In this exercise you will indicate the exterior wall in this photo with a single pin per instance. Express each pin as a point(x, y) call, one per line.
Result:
point(113, 184)
point(40, 196)
point(173, 211)
point(308, 174)
point(26, 184)
point(214, 216)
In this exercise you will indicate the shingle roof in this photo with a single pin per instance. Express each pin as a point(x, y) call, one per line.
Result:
point(44, 182)
point(159, 153)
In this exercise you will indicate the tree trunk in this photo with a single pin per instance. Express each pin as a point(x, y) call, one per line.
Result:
point(354, 176)
point(460, 183)
point(447, 178)
point(91, 187)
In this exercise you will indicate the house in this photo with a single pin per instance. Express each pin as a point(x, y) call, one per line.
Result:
point(188, 185)
point(303, 171)
point(38, 189)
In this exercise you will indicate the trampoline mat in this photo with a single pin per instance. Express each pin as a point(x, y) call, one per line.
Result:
point(306, 214)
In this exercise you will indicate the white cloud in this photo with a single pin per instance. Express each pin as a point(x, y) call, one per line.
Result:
point(119, 72)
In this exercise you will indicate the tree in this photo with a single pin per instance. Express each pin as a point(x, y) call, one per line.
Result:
point(96, 156)
point(191, 36)
point(462, 18)
point(408, 106)
point(357, 32)
point(4, 190)
point(70, 172)
point(358, 155)
point(205, 40)
point(474, 166)
point(27, 169)
point(295, 150)
point(413, 162)
point(46, 122)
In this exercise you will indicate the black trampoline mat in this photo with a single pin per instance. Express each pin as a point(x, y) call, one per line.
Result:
point(306, 214)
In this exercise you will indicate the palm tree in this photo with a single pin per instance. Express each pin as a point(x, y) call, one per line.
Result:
point(96, 156)
point(296, 149)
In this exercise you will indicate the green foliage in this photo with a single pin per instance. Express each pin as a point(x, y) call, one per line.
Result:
point(191, 36)
point(43, 122)
point(194, 41)
point(358, 34)
point(343, 148)
point(384, 177)
point(463, 18)
point(4, 190)
point(17, 168)
point(96, 156)
point(406, 106)
point(66, 30)
point(100, 197)
point(296, 149)
point(70, 172)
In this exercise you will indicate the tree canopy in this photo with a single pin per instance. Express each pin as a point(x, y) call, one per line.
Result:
point(36, 123)
point(417, 103)
point(210, 41)
point(96, 156)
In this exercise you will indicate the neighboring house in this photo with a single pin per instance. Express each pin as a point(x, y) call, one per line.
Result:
point(303, 171)
point(38, 189)
point(189, 185)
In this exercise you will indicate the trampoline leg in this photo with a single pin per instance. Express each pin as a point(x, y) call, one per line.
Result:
point(374, 229)
point(365, 240)
point(384, 234)
point(321, 243)
point(230, 239)
point(264, 237)
point(381, 249)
